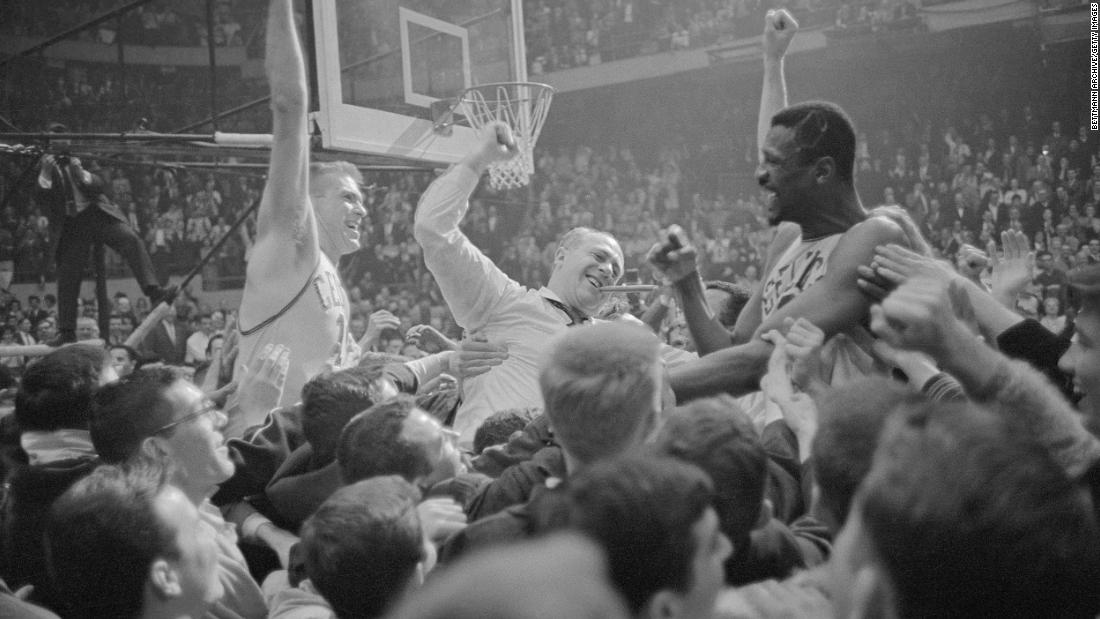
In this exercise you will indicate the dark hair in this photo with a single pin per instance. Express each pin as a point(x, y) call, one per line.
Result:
point(642, 509)
point(102, 537)
point(598, 388)
point(970, 519)
point(330, 400)
point(130, 410)
point(130, 352)
point(821, 129)
point(371, 444)
point(851, 418)
point(716, 435)
point(363, 544)
point(497, 429)
point(738, 298)
point(56, 391)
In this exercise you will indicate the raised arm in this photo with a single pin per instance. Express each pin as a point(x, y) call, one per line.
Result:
point(834, 303)
point(470, 282)
point(285, 219)
point(779, 29)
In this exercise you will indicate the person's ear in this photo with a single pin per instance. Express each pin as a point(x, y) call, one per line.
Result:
point(151, 448)
point(824, 169)
point(165, 579)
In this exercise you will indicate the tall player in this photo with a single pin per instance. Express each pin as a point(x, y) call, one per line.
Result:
point(823, 234)
point(309, 216)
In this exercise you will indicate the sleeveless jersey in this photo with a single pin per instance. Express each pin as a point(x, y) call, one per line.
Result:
point(313, 325)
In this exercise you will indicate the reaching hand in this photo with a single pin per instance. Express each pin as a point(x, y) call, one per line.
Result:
point(924, 314)
point(675, 258)
point(893, 265)
point(378, 321)
point(1014, 269)
point(799, 410)
point(261, 384)
point(440, 518)
point(972, 261)
point(496, 143)
point(803, 347)
point(779, 28)
point(476, 356)
point(429, 339)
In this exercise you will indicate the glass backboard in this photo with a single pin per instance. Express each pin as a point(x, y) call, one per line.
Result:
point(382, 63)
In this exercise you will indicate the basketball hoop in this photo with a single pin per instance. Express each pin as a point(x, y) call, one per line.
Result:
point(523, 107)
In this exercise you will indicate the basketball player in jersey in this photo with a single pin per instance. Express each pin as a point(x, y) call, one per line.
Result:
point(309, 216)
point(823, 234)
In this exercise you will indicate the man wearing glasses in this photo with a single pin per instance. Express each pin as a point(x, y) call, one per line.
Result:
point(156, 414)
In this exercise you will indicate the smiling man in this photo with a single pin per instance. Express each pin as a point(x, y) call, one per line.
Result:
point(485, 300)
point(309, 217)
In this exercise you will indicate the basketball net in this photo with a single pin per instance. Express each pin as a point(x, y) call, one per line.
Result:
point(522, 106)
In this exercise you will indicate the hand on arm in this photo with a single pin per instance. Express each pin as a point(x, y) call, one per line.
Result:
point(440, 518)
point(799, 410)
point(429, 339)
point(261, 384)
point(476, 356)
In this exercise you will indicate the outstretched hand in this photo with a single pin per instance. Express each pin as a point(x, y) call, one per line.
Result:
point(925, 314)
point(1013, 269)
point(378, 322)
point(893, 265)
point(779, 28)
point(261, 384)
point(429, 339)
point(476, 356)
point(675, 258)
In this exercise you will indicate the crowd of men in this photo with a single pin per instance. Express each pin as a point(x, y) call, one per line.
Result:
point(869, 432)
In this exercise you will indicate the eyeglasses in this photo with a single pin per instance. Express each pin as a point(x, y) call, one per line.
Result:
point(208, 408)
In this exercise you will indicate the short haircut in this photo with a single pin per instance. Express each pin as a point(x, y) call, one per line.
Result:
point(572, 237)
point(322, 169)
point(130, 410)
point(371, 444)
point(497, 429)
point(598, 387)
point(738, 298)
point(363, 544)
point(970, 519)
point(102, 536)
point(330, 400)
point(130, 352)
point(821, 129)
point(716, 435)
point(641, 509)
point(851, 418)
point(56, 391)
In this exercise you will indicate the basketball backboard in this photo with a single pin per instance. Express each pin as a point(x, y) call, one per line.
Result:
point(382, 63)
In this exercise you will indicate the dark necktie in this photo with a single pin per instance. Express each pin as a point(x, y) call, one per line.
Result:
point(575, 316)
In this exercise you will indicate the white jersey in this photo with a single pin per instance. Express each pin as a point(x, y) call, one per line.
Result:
point(313, 325)
point(800, 266)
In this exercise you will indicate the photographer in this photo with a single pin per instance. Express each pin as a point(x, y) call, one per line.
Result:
point(81, 214)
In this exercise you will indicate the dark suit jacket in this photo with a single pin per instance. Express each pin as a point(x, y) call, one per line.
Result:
point(158, 345)
point(60, 203)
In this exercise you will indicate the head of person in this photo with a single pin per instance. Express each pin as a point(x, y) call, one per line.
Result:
point(157, 414)
point(217, 320)
point(124, 359)
point(850, 419)
point(497, 429)
point(331, 399)
point(397, 438)
point(364, 546)
point(559, 575)
point(204, 323)
point(34, 302)
point(1082, 359)
point(56, 391)
point(726, 300)
point(50, 301)
point(601, 388)
point(121, 542)
point(807, 158)
point(122, 303)
point(585, 261)
point(334, 190)
point(86, 329)
point(715, 435)
point(653, 516)
point(46, 329)
point(1027, 305)
point(932, 531)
